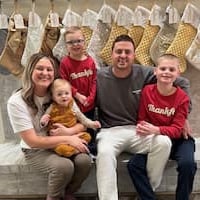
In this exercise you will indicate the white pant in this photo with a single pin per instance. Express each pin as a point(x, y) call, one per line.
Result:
point(112, 141)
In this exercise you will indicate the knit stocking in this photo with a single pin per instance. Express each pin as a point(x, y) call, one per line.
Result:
point(34, 37)
point(142, 51)
point(185, 35)
point(166, 35)
point(193, 53)
point(120, 26)
point(13, 50)
point(101, 33)
point(151, 30)
point(3, 36)
point(106, 51)
point(89, 22)
point(50, 37)
point(70, 19)
point(136, 30)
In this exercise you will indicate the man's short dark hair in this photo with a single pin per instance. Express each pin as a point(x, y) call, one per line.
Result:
point(123, 38)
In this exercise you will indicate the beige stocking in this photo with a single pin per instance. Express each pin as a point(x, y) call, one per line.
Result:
point(193, 53)
point(101, 33)
point(163, 39)
point(151, 30)
point(182, 41)
point(13, 50)
point(136, 33)
point(3, 36)
point(50, 37)
point(142, 51)
point(123, 20)
point(186, 33)
point(106, 51)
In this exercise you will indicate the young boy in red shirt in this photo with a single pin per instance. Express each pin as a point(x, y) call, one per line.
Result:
point(79, 69)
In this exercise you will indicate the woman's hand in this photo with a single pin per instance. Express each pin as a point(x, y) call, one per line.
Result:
point(78, 143)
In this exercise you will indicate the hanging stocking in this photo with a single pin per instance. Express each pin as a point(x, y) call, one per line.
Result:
point(166, 34)
point(70, 19)
point(89, 22)
point(101, 33)
point(136, 30)
point(151, 30)
point(15, 43)
point(193, 53)
point(51, 33)
point(186, 33)
point(34, 37)
point(120, 26)
point(3, 36)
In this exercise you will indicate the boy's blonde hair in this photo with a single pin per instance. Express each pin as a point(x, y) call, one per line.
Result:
point(73, 29)
point(168, 56)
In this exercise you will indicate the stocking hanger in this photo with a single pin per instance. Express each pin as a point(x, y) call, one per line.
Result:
point(33, 5)
point(52, 5)
point(69, 4)
point(170, 2)
point(16, 6)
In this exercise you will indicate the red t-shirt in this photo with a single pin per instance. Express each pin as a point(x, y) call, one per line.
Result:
point(167, 112)
point(82, 76)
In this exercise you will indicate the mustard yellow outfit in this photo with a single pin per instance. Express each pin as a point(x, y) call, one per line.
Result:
point(68, 116)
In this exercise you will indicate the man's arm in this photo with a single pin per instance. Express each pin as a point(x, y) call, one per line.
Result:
point(184, 84)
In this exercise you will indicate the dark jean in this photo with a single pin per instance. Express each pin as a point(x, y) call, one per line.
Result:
point(92, 145)
point(183, 153)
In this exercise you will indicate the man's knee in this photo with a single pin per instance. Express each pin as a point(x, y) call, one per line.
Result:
point(163, 142)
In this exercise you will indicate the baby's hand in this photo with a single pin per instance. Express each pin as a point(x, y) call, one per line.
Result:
point(44, 120)
point(86, 103)
point(81, 98)
point(97, 124)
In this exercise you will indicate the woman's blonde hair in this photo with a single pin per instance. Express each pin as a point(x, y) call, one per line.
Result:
point(27, 82)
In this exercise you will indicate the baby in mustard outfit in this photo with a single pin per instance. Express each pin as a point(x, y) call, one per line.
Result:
point(64, 111)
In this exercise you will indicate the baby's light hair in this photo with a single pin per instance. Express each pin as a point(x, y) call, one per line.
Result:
point(57, 82)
